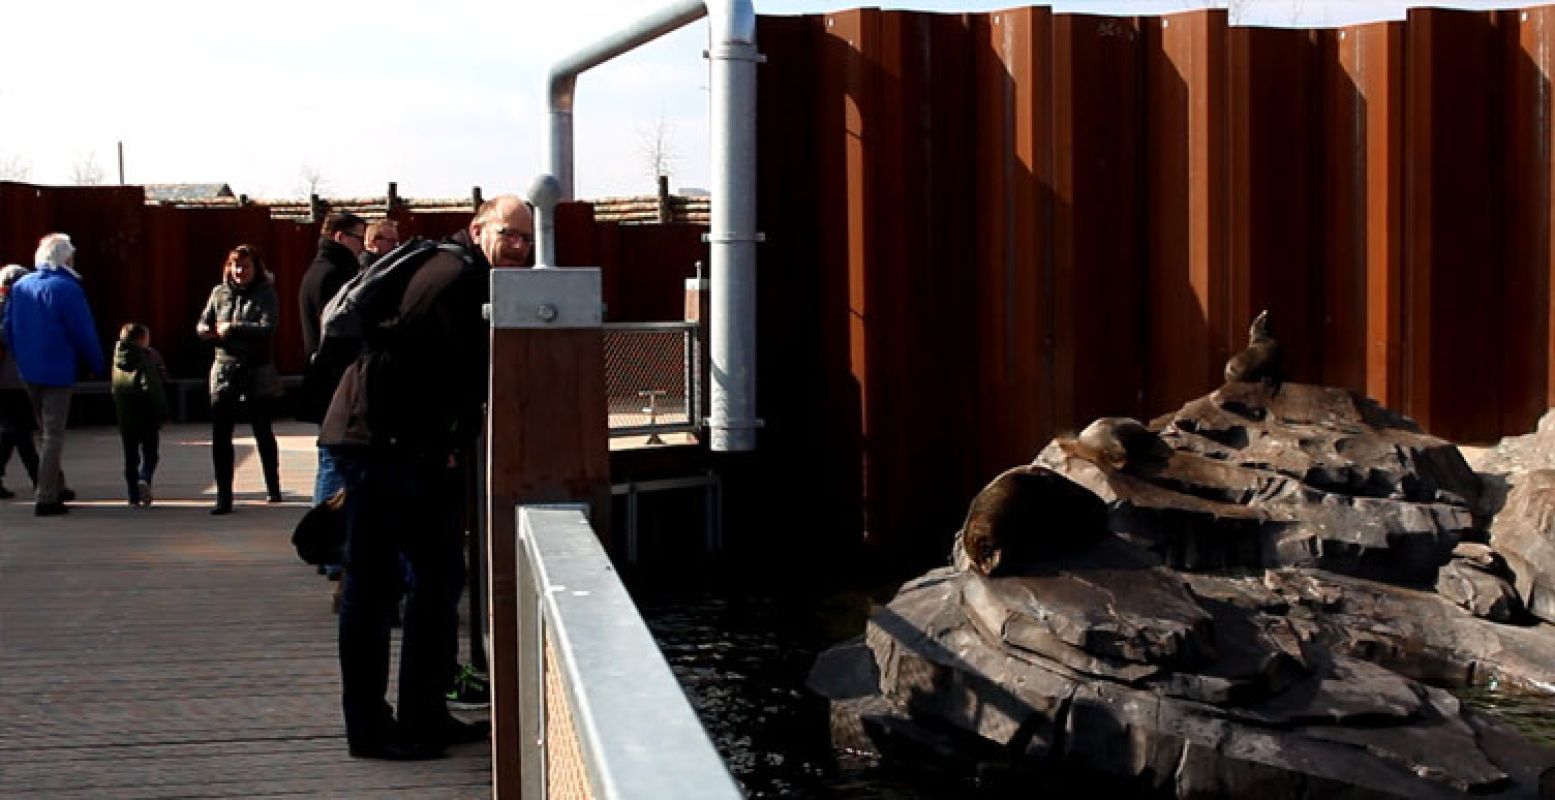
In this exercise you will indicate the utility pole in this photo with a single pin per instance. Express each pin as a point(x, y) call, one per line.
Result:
point(121, 162)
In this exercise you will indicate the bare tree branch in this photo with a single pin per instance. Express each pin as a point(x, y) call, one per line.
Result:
point(657, 146)
point(312, 181)
point(15, 168)
point(86, 171)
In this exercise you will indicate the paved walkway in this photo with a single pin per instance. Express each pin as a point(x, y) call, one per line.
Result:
point(164, 652)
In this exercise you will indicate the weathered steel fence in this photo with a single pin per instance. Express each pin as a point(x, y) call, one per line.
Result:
point(983, 229)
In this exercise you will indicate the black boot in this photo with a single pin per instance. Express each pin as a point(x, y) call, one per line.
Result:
point(223, 504)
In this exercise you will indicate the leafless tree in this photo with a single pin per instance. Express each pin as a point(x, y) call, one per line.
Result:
point(312, 181)
point(656, 143)
point(15, 168)
point(86, 171)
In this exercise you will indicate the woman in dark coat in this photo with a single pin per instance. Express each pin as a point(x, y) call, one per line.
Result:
point(240, 320)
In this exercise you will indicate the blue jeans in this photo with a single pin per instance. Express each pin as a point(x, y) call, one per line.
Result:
point(398, 505)
point(140, 459)
point(326, 482)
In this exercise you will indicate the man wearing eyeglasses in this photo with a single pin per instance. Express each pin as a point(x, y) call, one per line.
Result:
point(404, 414)
point(383, 235)
point(342, 239)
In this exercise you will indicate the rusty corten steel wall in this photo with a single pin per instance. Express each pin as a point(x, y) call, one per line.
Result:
point(987, 229)
point(157, 265)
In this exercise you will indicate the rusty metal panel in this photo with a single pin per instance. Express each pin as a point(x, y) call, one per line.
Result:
point(1274, 154)
point(1185, 74)
point(1526, 286)
point(1362, 195)
point(1013, 166)
point(1098, 218)
point(1453, 252)
point(915, 170)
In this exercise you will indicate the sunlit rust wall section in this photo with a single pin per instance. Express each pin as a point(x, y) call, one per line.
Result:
point(1010, 247)
point(1526, 43)
point(1361, 211)
point(1000, 226)
point(1188, 307)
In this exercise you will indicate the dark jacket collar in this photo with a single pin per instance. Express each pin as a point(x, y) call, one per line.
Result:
point(462, 238)
point(336, 252)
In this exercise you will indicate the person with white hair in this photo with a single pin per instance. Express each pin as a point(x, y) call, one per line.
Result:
point(16, 423)
point(48, 328)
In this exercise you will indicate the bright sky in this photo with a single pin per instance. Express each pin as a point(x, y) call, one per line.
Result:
point(439, 97)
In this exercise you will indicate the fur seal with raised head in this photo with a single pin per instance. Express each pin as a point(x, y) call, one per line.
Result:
point(1121, 443)
point(1025, 514)
point(1262, 360)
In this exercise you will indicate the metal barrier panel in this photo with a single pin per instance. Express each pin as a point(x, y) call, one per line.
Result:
point(597, 698)
point(651, 377)
point(565, 776)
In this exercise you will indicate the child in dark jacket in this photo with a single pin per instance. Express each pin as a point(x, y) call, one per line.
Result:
point(140, 398)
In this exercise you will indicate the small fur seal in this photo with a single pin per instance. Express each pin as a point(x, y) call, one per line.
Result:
point(1025, 514)
point(1261, 361)
point(1121, 443)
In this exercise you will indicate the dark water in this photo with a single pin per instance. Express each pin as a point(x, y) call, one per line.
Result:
point(1532, 714)
point(743, 660)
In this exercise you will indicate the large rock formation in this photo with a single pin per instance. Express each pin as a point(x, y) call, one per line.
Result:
point(1271, 612)
point(1524, 533)
point(1519, 476)
point(1303, 476)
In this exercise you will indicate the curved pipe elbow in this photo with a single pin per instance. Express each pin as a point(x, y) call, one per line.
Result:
point(561, 85)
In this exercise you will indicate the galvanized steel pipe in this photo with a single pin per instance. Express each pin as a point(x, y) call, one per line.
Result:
point(544, 192)
point(732, 418)
point(732, 241)
point(564, 78)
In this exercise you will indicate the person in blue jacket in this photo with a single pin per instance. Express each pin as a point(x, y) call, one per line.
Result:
point(49, 330)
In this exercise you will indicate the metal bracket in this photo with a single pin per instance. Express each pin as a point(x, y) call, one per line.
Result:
point(721, 238)
point(563, 297)
point(730, 53)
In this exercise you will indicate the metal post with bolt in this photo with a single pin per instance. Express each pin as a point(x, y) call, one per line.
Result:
point(548, 439)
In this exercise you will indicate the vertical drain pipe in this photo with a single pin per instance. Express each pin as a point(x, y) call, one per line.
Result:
point(732, 240)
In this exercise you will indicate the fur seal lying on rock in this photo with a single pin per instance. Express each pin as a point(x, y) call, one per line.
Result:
point(1121, 443)
point(1262, 360)
point(1024, 515)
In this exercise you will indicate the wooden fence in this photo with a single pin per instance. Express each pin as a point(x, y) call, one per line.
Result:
point(157, 264)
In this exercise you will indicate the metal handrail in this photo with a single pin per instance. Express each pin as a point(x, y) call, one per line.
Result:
point(637, 734)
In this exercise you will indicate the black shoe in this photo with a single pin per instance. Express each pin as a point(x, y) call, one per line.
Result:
point(397, 751)
point(274, 497)
point(455, 732)
point(222, 507)
point(67, 495)
point(50, 509)
point(6, 494)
